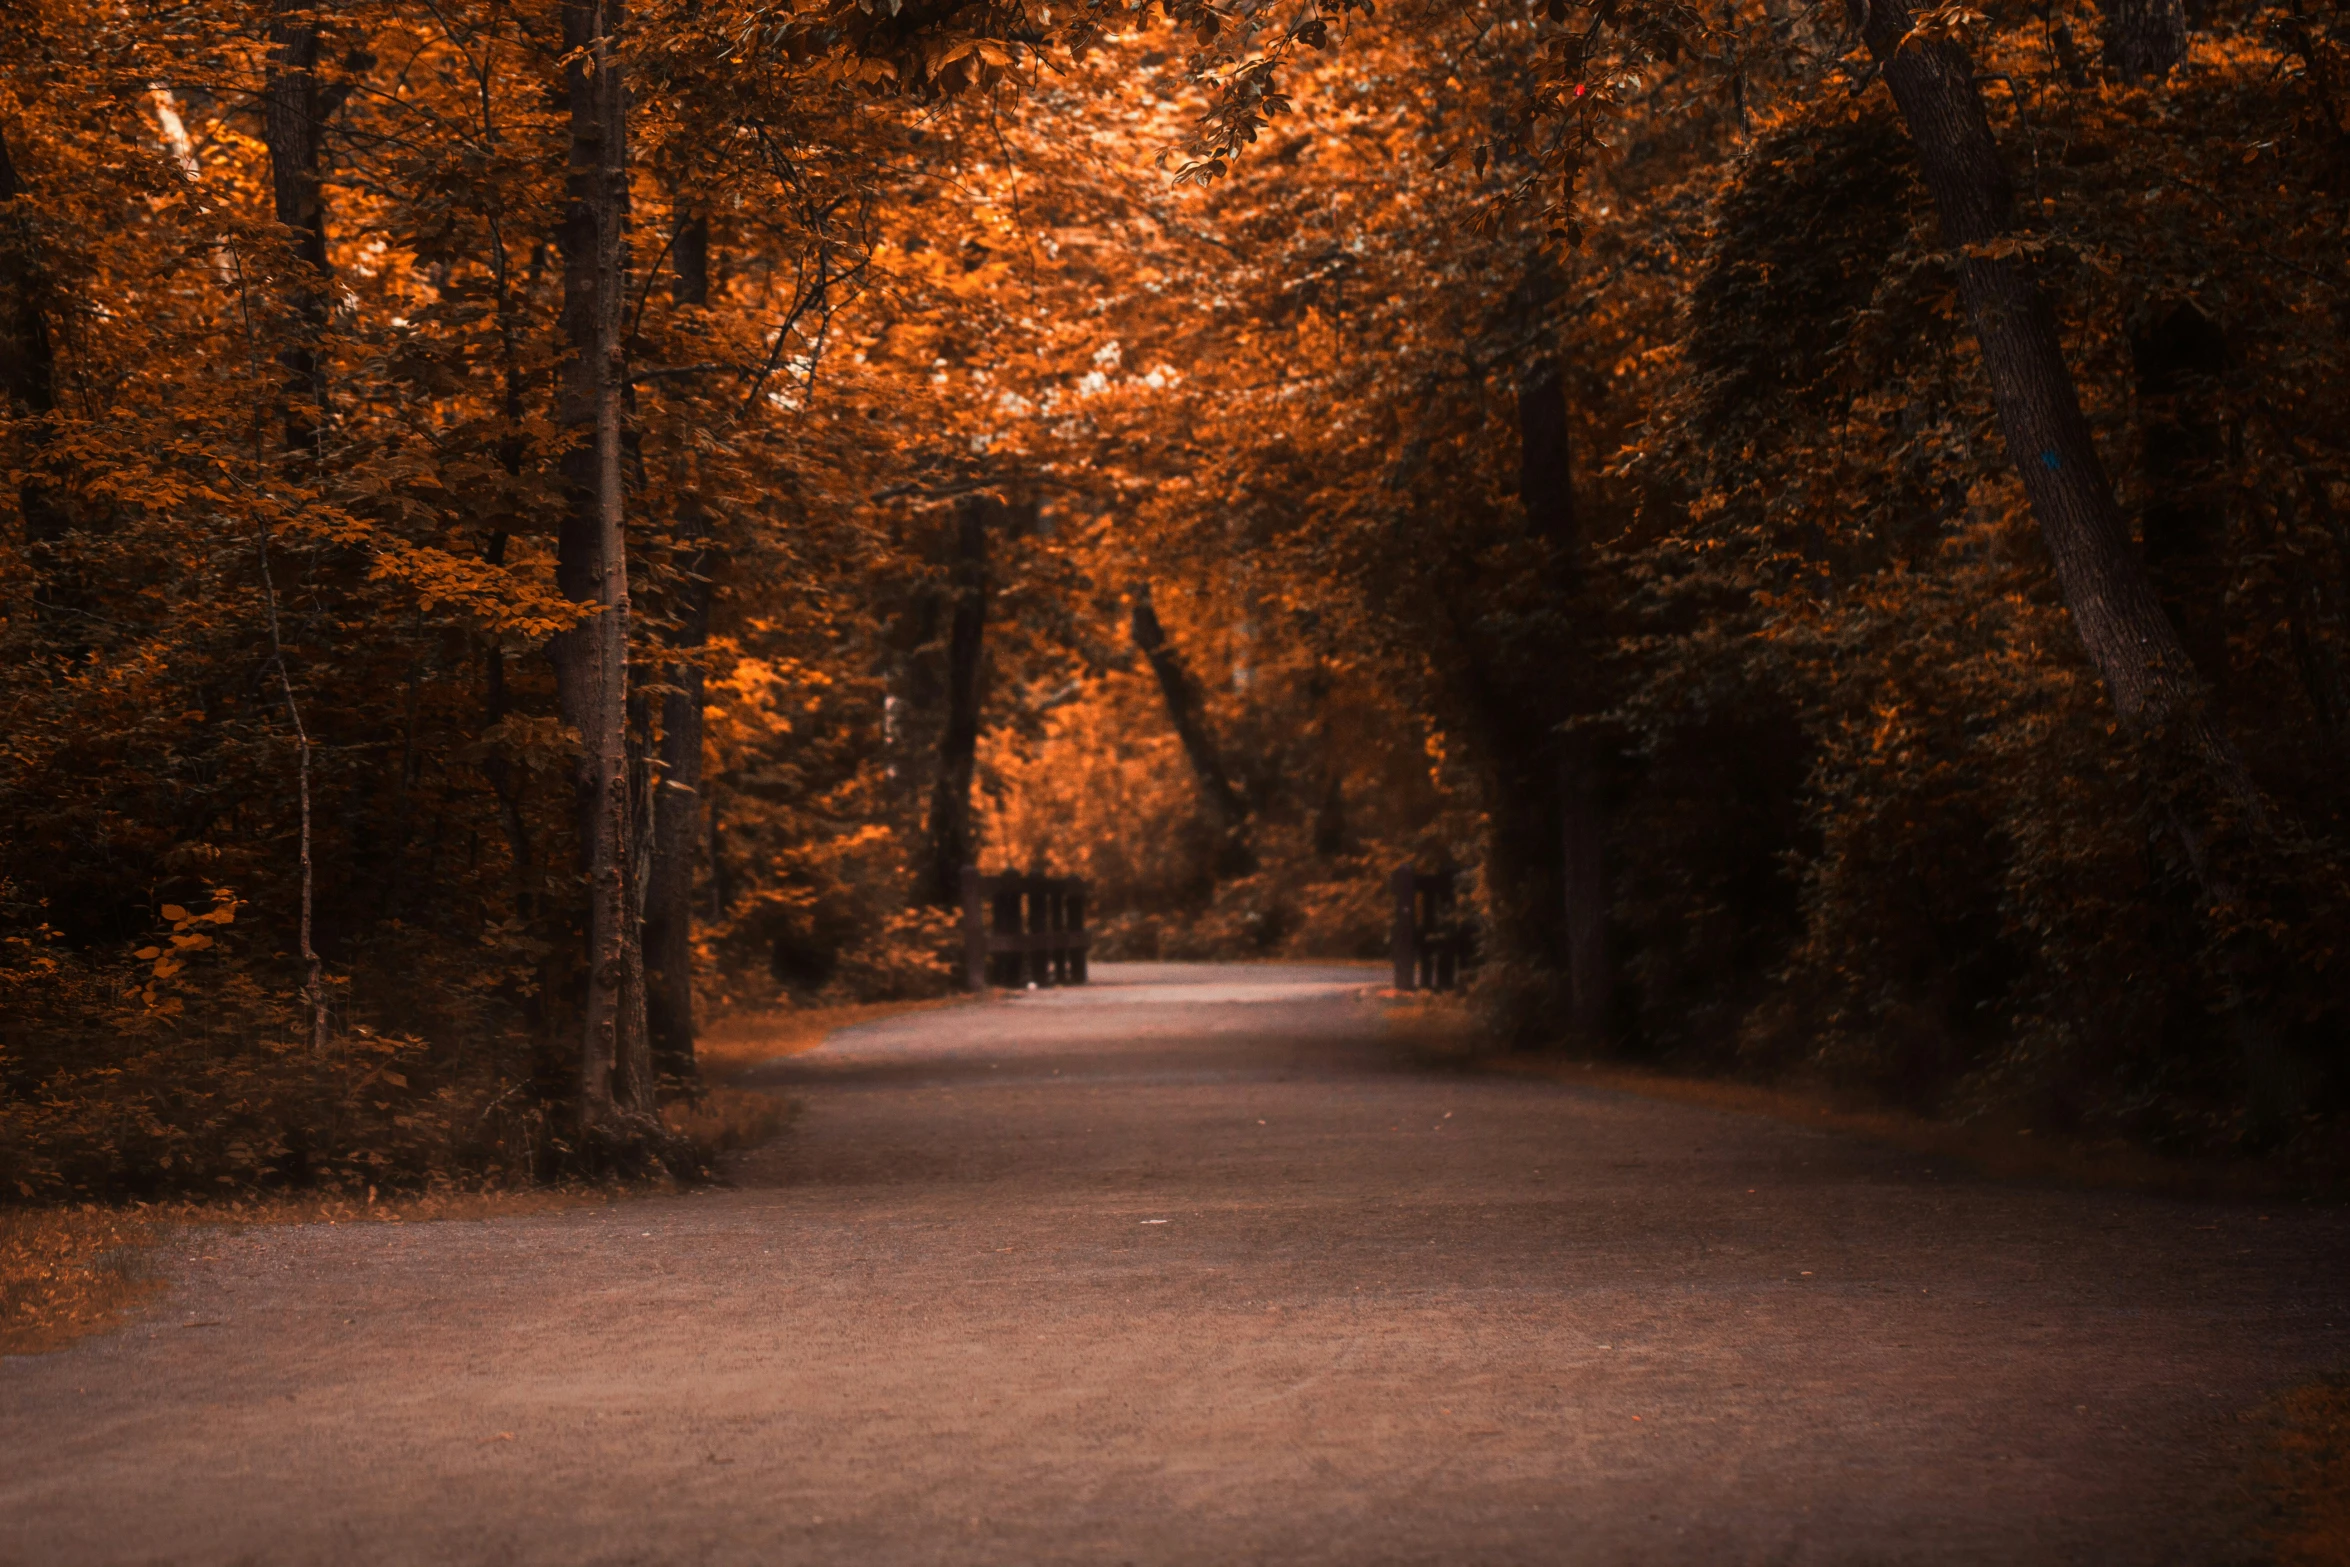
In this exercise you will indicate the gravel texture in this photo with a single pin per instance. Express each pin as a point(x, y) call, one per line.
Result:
point(1191, 1267)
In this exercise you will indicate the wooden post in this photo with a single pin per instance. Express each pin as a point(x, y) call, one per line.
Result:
point(1023, 930)
point(1425, 949)
point(1421, 978)
point(1058, 899)
point(1443, 949)
point(1006, 964)
point(1404, 942)
point(974, 929)
point(1038, 955)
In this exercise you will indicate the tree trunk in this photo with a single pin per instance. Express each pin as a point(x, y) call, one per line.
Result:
point(689, 282)
point(591, 660)
point(1187, 711)
point(1583, 862)
point(677, 801)
point(677, 815)
point(1546, 488)
point(952, 845)
point(2183, 462)
point(292, 120)
point(2147, 673)
point(496, 767)
point(1330, 834)
point(2144, 38)
point(28, 367)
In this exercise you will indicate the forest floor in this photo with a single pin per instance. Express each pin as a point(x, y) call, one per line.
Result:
point(1202, 1265)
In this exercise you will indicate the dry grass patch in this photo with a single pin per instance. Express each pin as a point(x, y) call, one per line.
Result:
point(66, 1272)
point(722, 1119)
point(726, 1116)
point(733, 1045)
point(2309, 1478)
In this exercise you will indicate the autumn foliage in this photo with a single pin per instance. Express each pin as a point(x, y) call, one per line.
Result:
point(1557, 441)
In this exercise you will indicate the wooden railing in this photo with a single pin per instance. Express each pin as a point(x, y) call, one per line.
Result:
point(1427, 941)
point(1023, 930)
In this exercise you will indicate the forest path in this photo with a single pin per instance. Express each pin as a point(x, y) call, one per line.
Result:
point(1190, 1267)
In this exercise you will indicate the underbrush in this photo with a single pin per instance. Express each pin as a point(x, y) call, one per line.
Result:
point(176, 1071)
point(227, 1108)
point(67, 1272)
point(1290, 908)
point(72, 1267)
point(158, 1114)
point(2309, 1478)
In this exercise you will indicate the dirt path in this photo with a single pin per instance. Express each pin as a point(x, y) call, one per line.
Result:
point(1198, 1273)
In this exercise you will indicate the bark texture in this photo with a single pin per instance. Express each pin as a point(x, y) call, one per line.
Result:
point(1330, 830)
point(1187, 711)
point(677, 785)
point(1546, 488)
point(689, 281)
point(2144, 38)
point(591, 660)
point(677, 817)
point(28, 364)
point(293, 116)
point(1511, 715)
point(677, 799)
point(953, 844)
point(2180, 357)
point(2145, 667)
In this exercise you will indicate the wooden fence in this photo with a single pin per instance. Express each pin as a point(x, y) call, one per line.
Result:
point(1023, 930)
point(1427, 942)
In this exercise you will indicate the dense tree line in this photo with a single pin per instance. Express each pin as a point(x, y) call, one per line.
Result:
point(1877, 596)
point(533, 517)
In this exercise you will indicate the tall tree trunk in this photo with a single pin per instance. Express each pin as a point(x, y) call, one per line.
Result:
point(28, 367)
point(2147, 673)
point(293, 115)
point(591, 660)
point(1330, 834)
point(2144, 38)
point(952, 843)
point(690, 261)
point(292, 119)
point(1546, 488)
point(677, 801)
point(497, 767)
point(677, 812)
point(2182, 460)
point(1187, 710)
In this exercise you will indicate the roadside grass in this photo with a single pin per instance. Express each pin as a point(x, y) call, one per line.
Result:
point(731, 1046)
point(68, 1272)
point(1441, 1032)
point(2308, 1479)
point(728, 1115)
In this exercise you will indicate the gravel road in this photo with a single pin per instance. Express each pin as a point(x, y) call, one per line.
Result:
point(1188, 1267)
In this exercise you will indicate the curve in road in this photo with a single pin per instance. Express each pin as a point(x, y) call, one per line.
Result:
point(1192, 1266)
